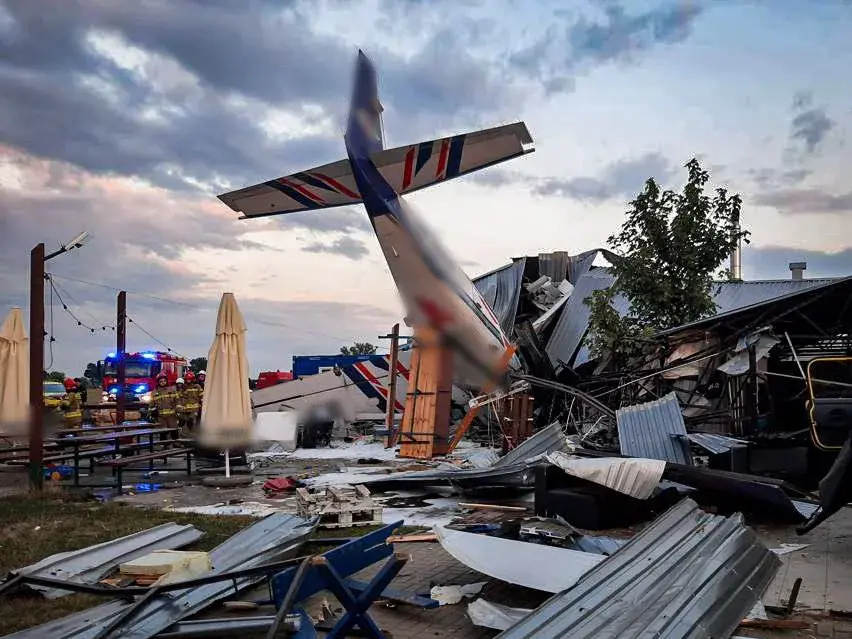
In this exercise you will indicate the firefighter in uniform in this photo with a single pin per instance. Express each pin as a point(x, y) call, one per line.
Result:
point(72, 406)
point(199, 379)
point(181, 405)
point(164, 400)
point(193, 399)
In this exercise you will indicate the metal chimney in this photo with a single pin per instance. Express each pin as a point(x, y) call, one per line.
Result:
point(736, 269)
point(798, 270)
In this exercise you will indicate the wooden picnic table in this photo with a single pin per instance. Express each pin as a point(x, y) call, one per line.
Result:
point(115, 438)
point(65, 432)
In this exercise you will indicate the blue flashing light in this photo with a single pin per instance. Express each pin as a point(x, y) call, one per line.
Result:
point(113, 390)
point(142, 388)
point(149, 356)
point(110, 355)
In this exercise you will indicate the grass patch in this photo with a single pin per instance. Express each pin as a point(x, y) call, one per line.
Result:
point(33, 527)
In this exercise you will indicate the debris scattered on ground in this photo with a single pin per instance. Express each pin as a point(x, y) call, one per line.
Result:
point(491, 615)
point(339, 506)
point(448, 595)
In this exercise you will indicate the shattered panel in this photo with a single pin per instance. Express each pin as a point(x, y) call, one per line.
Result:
point(689, 575)
point(546, 568)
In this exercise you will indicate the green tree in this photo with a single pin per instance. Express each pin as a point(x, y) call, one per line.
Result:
point(93, 374)
point(669, 249)
point(198, 364)
point(359, 348)
point(55, 376)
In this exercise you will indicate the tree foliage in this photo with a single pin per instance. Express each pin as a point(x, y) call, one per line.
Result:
point(55, 376)
point(359, 348)
point(91, 373)
point(670, 247)
point(198, 364)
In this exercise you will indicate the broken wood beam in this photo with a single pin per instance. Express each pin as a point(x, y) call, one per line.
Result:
point(514, 509)
point(402, 539)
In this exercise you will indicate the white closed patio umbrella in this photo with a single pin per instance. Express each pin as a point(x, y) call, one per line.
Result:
point(14, 375)
point(226, 409)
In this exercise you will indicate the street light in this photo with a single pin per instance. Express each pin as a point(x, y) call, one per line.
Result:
point(37, 260)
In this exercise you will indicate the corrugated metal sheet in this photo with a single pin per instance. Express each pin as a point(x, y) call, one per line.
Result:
point(263, 542)
point(688, 575)
point(716, 444)
point(90, 564)
point(502, 290)
point(554, 265)
point(573, 323)
point(654, 430)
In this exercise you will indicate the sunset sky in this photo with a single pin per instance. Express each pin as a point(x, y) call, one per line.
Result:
point(126, 119)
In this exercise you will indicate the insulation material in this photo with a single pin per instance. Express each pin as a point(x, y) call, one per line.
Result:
point(170, 566)
point(491, 615)
point(738, 364)
point(545, 568)
point(448, 595)
point(635, 477)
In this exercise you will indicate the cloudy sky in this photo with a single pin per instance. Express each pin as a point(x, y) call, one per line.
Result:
point(127, 118)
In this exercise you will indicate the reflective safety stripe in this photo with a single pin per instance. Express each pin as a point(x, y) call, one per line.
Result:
point(167, 411)
point(74, 414)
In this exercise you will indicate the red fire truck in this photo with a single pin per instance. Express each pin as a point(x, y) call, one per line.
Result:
point(140, 372)
point(271, 378)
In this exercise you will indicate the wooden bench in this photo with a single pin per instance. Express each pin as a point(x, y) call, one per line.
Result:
point(118, 465)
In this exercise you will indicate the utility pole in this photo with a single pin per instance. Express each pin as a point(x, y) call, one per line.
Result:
point(120, 346)
point(37, 367)
point(37, 277)
point(390, 411)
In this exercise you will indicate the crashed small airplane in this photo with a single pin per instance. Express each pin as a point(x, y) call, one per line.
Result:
point(434, 289)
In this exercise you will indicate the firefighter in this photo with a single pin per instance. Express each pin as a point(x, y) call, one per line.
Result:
point(73, 409)
point(193, 398)
point(181, 405)
point(200, 379)
point(164, 400)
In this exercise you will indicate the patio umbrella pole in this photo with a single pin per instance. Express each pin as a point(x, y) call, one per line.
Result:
point(227, 462)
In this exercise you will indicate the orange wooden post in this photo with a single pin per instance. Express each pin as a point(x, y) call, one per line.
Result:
point(471, 414)
point(424, 431)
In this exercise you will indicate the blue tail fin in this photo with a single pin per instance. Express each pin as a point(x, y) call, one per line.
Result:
point(364, 135)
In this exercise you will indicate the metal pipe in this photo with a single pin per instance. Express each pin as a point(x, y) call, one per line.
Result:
point(391, 407)
point(37, 367)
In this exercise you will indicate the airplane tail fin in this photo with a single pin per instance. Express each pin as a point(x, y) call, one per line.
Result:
point(364, 136)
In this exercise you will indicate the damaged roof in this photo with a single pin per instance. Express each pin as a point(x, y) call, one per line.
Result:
point(687, 575)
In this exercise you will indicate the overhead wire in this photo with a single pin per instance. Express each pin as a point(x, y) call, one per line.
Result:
point(168, 348)
point(252, 317)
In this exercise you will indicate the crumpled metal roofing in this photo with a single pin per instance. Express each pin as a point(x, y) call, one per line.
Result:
point(654, 430)
point(687, 575)
point(511, 469)
point(263, 542)
point(714, 443)
point(92, 563)
point(573, 323)
point(502, 290)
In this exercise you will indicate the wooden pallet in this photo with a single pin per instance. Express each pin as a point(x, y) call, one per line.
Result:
point(339, 506)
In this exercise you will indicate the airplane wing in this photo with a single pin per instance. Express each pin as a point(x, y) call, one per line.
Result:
point(406, 169)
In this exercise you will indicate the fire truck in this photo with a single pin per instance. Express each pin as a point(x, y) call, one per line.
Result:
point(140, 372)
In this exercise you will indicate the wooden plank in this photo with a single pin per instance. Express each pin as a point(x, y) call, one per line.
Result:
point(494, 507)
point(404, 539)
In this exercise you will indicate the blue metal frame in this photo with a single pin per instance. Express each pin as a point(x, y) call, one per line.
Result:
point(333, 570)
